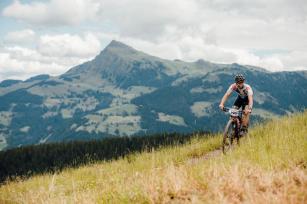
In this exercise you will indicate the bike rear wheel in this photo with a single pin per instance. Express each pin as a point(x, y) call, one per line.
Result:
point(228, 136)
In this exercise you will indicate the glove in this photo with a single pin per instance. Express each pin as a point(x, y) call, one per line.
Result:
point(247, 111)
point(221, 106)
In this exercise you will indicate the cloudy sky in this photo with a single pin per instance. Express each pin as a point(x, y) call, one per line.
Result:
point(51, 36)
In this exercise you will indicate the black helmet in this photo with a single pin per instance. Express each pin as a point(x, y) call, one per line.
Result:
point(239, 78)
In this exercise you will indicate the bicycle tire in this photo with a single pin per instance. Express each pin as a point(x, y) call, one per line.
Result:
point(228, 136)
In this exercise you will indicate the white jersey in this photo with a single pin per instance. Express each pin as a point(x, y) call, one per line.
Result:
point(245, 91)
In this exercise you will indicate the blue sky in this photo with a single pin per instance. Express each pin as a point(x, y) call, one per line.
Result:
point(51, 36)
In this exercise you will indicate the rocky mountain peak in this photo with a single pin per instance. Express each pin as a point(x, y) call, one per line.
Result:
point(117, 48)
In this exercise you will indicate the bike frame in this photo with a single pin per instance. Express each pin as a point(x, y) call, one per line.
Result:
point(235, 116)
point(235, 123)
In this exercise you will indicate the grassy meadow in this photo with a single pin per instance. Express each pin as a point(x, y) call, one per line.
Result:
point(270, 166)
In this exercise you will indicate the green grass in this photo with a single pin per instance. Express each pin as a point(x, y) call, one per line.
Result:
point(268, 167)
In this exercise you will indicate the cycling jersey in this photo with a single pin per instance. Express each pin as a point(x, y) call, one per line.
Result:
point(245, 91)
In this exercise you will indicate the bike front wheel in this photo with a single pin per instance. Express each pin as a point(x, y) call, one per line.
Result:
point(228, 136)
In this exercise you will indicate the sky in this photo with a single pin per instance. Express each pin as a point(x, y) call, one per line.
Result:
point(51, 36)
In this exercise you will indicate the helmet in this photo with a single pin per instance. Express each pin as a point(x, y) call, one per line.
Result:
point(239, 78)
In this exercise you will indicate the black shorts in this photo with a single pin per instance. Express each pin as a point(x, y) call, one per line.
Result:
point(241, 102)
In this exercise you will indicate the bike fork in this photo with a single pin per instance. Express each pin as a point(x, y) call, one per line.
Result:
point(237, 130)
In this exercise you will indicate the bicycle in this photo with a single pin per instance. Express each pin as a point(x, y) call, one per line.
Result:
point(232, 128)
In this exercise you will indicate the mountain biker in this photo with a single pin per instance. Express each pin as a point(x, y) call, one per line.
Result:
point(244, 100)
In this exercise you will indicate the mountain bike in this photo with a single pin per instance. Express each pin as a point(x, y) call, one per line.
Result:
point(232, 128)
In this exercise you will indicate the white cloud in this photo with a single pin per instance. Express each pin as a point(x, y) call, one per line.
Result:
point(21, 37)
point(247, 58)
point(53, 55)
point(148, 19)
point(215, 30)
point(54, 12)
point(232, 24)
point(35, 12)
point(66, 45)
point(295, 60)
point(12, 67)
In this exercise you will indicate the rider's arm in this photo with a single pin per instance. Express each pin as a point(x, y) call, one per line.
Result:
point(250, 99)
point(225, 97)
point(250, 102)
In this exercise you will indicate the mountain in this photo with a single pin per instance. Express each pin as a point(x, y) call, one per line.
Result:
point(123, 91)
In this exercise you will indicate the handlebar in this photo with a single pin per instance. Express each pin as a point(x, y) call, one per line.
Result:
point(232, 111)
point(226, 109)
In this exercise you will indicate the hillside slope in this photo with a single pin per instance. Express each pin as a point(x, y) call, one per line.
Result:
point(270, 166)
point(125, 92)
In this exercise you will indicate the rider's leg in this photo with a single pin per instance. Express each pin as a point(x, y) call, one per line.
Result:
point(238, 103)
point(245, 120)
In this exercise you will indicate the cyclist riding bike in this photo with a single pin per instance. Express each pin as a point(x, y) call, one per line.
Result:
point(244, 100)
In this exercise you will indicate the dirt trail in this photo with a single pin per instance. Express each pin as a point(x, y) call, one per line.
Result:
point(207, 156)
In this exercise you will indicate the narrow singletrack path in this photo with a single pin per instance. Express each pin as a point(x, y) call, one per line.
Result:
point(209, 155)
